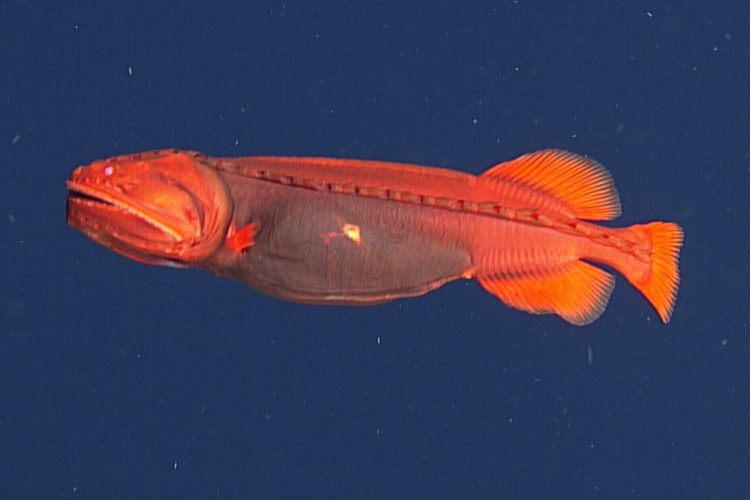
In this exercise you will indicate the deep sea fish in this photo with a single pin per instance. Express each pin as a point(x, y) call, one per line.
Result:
point(333, 231)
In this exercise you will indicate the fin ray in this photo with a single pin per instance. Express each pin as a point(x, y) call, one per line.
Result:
point(577, 292)
point(581, 184)
point(660, 283)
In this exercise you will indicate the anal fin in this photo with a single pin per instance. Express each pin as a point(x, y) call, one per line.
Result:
point(577, 292)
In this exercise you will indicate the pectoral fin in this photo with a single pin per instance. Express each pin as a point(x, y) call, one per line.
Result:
point(242, 239)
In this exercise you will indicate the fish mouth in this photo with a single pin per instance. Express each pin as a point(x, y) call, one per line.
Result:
point(131, 229)
point(92, 205)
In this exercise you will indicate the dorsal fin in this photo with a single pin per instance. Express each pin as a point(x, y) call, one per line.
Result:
point(581, 184)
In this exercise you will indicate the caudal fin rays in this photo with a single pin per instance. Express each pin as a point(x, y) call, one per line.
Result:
point(660, 284)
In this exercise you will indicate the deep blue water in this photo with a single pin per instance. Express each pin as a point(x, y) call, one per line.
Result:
point(119, 380)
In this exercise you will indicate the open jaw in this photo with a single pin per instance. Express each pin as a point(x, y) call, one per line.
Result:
point(129, 227)
point(94, 200)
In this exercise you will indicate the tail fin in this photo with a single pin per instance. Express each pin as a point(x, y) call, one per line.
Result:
point(660, 284)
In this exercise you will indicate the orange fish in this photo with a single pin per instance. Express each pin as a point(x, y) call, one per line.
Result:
point(331, 231)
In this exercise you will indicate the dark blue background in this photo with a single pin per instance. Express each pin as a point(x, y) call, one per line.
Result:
point(119, 380)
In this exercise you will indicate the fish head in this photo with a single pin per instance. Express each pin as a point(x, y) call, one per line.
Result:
point(161, 207)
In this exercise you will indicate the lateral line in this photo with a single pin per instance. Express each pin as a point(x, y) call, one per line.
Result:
point(493, 209)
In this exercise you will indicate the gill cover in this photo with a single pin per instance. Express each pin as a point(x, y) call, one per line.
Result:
point(162, 207)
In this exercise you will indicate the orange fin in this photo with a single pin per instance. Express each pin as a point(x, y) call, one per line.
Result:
point(581, 184)
point(577, 292)
point(660, 284)
point(237, 241)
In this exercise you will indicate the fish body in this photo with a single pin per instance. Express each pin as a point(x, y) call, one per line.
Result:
point(352, 232)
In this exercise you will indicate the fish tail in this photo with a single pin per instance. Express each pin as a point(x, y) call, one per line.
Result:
point(659, 280)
